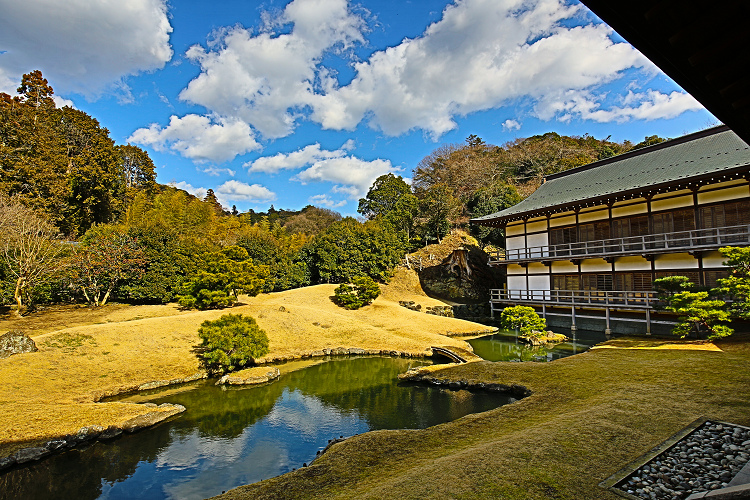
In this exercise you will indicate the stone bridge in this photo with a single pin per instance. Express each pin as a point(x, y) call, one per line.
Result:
point(456, 354)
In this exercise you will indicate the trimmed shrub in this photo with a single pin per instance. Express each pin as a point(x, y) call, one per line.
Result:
point(523, 318)
point(360, 292)
point(231, 342)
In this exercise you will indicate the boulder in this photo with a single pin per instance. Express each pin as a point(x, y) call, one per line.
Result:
point(16, 342)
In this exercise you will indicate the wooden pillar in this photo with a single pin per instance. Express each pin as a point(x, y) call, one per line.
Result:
point(526, 239)
point(698, 255)
point(573, 327)
point(607, 330)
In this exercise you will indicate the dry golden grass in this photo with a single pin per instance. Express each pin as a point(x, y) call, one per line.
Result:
point(53, 392)
point(588, 416)
point(701, 345)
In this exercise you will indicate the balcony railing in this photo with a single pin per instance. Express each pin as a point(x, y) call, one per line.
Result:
point(615, 299)
point(696, 239)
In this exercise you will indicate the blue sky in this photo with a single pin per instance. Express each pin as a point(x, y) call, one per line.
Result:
point(307, 102)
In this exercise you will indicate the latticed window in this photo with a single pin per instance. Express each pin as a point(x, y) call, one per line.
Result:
point(594, 231)
point(565, 282)
point(670, 222)
point(631, 226)
point(633, 282)
point(563, 235)
point(734, 213)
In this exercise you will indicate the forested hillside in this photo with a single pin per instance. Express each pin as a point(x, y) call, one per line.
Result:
point(83, 219)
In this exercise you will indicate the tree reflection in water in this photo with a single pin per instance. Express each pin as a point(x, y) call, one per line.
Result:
point(505, 346)
point(233, 436)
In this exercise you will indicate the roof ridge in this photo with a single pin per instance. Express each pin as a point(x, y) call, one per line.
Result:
point(640, 151)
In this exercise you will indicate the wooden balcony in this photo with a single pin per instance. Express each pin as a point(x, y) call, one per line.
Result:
point(651, 244)
point(597, 299)
point(612, 302)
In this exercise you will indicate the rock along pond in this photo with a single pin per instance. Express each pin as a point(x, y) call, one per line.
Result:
point(240, 435)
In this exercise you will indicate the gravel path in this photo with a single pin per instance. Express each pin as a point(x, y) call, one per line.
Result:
point(706, 459)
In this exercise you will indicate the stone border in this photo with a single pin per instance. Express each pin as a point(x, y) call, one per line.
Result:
point(342, 351)
point(614, 482)
point(90, 434)
point(420, 375)
point(233, 379)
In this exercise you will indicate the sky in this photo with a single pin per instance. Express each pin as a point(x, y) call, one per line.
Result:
point(308, 102)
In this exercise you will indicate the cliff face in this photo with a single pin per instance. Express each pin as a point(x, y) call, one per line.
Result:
point(455, 270)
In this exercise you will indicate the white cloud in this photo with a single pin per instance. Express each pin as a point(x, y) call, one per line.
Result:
point(509, 125)
point(297, 159)
point(354, 175)
point(62, 102)
point(216, 171)
point(231, 191)
point(199, 138)
point(649, 105)
point(324, 200)
point(83, 46)
point(240, 191)
point(199, 192)
point(265, 79)
point(294, 160)
point(481, 55)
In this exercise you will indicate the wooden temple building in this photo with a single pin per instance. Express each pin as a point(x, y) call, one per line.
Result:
point(587, 246)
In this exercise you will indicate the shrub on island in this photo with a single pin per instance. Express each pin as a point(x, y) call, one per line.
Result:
point(231, 342)
point(360, 292)
point(524, 319)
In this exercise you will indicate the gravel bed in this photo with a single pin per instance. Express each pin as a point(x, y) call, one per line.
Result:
point(706, 459)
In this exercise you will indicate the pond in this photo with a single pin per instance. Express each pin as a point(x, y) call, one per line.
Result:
point(505, 346)
point(234, 436)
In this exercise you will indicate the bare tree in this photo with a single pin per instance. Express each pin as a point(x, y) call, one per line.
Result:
point(29, 247)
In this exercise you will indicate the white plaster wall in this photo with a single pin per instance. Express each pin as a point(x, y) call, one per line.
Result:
point(516, 283)
point(681, 201)
point(514, 269)
point(538, 240)
point(539, 283)
point(538, 268)
point(635, 209)
point(595, 266)
point(730, 193)
point(593, 215)
point(563, 267)
point(533, 227)
point(513, 229)
point(675, 261)
point(562, 221)
point(514, 242)
point(632, 264)
point(713, 259)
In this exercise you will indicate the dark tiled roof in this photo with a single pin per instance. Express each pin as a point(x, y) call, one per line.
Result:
point(692, 157)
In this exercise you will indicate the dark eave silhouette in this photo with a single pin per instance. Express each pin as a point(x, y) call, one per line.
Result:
point(702, 45)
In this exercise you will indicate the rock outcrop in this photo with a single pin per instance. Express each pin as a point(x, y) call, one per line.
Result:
point(16, 342)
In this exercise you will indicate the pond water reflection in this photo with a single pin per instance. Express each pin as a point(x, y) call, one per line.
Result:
point(234, 436)
point(506, 346)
